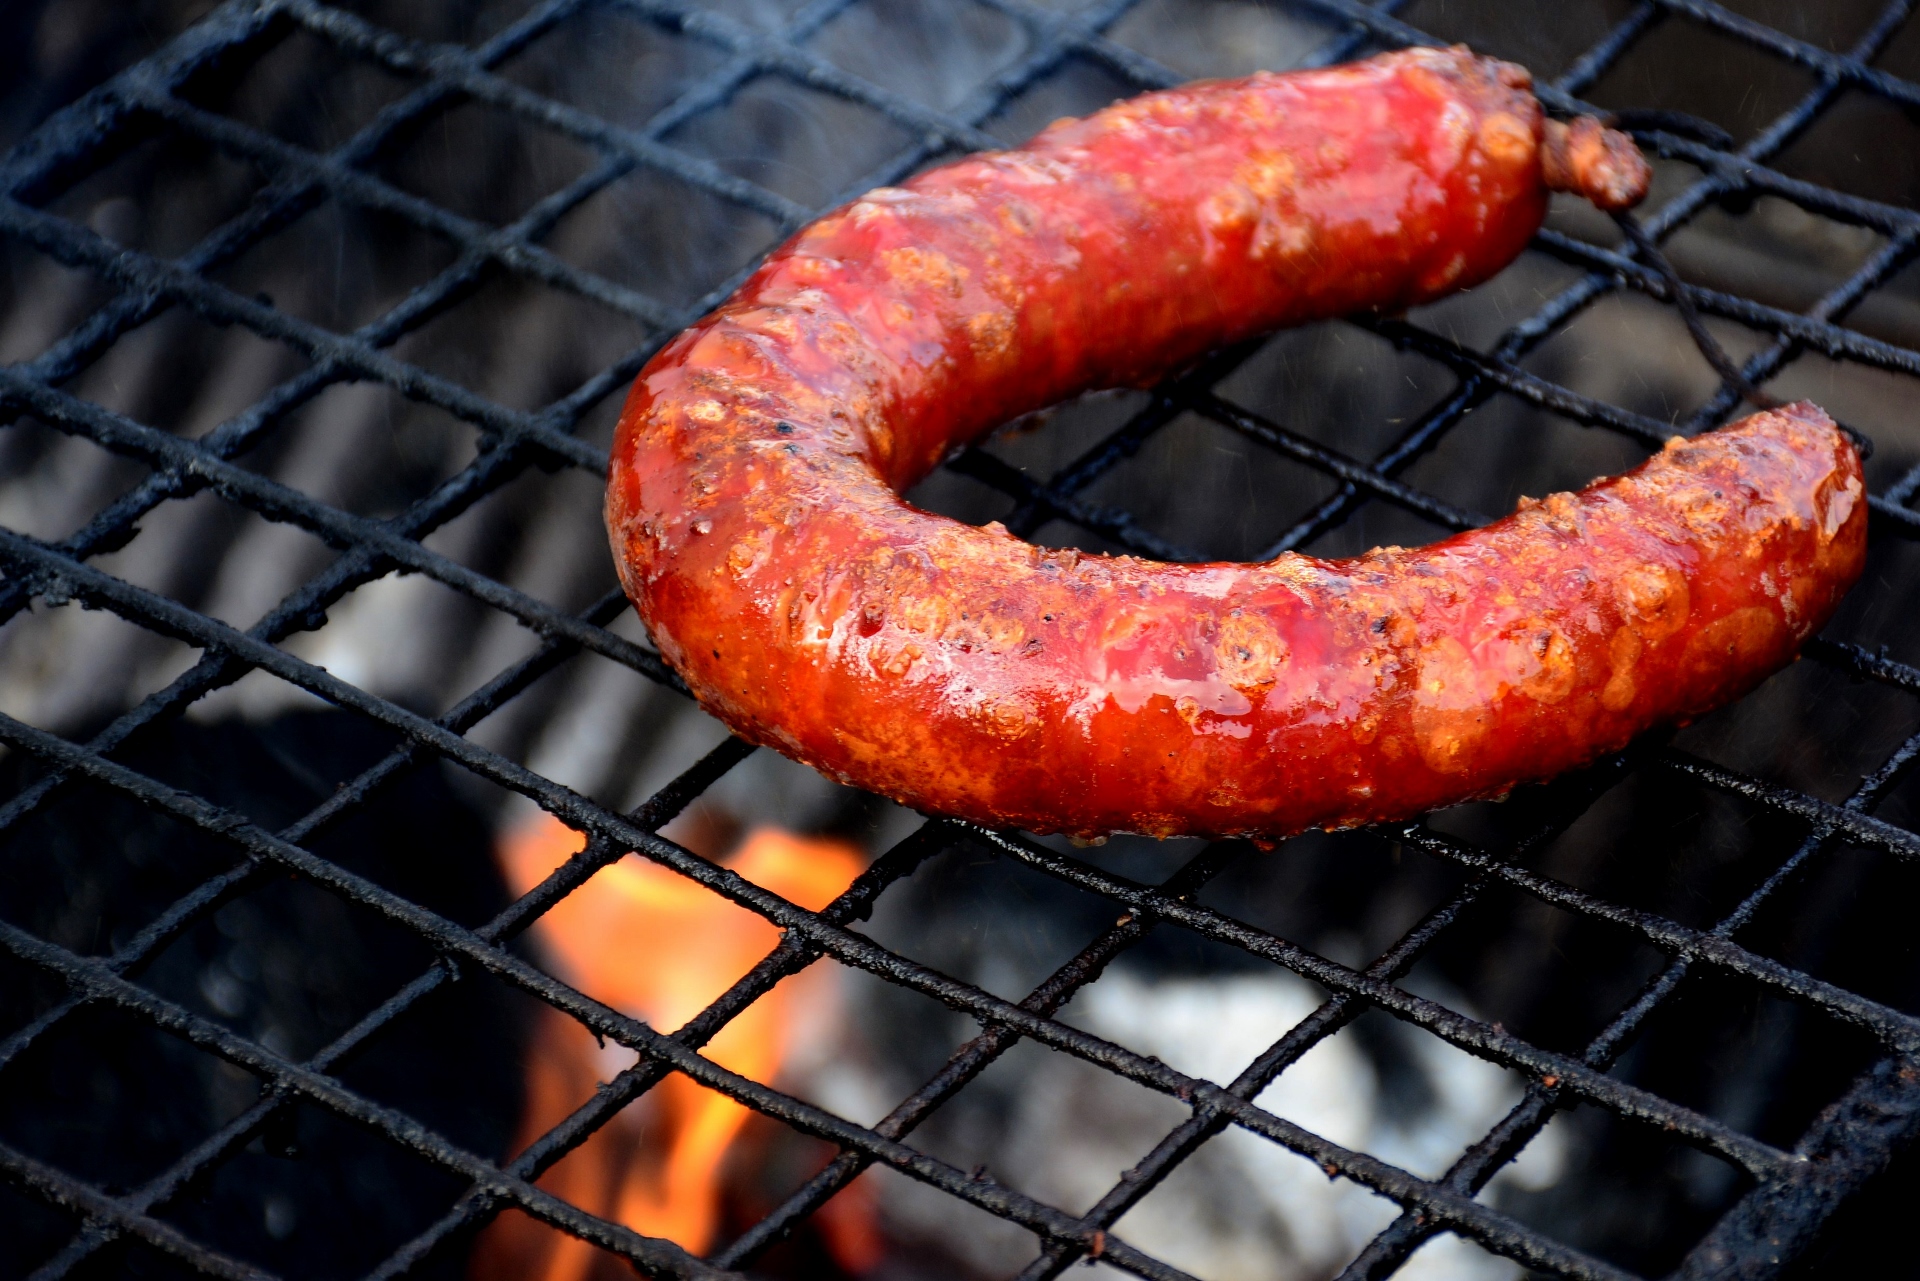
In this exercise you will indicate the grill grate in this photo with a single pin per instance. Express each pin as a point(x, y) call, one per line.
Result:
point(1792, 1191)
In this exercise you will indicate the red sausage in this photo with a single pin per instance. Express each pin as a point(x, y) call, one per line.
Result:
point(755, 515)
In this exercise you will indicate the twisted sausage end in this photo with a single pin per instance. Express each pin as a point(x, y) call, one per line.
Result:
point(1587, 159)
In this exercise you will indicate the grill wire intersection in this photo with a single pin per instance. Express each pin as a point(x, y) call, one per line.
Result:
point(1792, 1191)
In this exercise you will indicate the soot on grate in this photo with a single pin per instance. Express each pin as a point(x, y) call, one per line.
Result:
point(315, 325)
point(286, 962)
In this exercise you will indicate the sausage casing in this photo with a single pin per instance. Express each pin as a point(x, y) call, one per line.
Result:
point(755, 513)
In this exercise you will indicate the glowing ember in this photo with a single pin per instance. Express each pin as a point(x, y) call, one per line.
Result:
point(659, 947)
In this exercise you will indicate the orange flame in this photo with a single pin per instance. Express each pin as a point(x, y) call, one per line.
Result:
point(660, 947)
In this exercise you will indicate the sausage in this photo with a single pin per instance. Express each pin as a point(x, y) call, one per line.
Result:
point(755, 515)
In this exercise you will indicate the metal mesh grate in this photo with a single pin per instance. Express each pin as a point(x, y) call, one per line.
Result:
point(1791, 1191)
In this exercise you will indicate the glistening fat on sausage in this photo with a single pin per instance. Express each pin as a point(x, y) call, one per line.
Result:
point(755, 512)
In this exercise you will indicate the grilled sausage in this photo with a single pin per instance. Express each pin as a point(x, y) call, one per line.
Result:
point(755, 513)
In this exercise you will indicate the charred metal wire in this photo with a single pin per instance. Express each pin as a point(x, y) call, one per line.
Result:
point(975, 1057)
point(1795, 1191)
point(1847, 1145)
point(1480, 1162)
point(157, 613)
point(1733, 378)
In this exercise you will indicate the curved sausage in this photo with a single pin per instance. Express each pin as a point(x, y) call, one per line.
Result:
point(755, 513)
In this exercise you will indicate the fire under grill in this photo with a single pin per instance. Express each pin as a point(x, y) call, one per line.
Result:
point(1690, 967)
